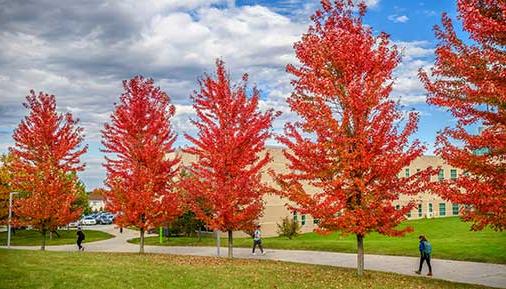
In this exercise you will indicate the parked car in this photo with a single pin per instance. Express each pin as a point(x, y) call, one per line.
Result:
point(98, 216)
point(105, 220)
point(88, 221)
point(74, 224)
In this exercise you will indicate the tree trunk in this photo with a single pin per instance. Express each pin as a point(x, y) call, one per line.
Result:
point(43, 246)
point(141, 248)
point(230, 245)
point(50, 235)
point(360, 255)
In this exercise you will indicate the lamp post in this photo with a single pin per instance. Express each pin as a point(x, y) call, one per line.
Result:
point(11, 194)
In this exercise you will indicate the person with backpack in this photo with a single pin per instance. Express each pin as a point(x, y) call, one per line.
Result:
point(257, 240)
point(425, 250)
point(80, 239)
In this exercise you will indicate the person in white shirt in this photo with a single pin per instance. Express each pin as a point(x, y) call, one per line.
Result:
point(257, 240)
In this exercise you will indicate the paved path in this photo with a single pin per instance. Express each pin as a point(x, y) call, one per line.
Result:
point(493, 275)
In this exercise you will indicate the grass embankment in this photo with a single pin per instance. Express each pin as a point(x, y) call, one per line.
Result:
point(35, 269)
point(450, 238)
point(34, 238)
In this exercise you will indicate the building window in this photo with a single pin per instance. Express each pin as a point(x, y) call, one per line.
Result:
point(406, 172)
point(442, 209)
point(441, 175)
point(430, 208)
point(409, 214)
point(295, 216)
point(418, 170)
point(303, 220)
point(453, 174)
point(316, 221)
point(455, 209)
point(397, 207)
point(419, 210)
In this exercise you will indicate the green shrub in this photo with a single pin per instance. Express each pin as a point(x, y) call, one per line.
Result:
point(288, 228)
point(186, 224)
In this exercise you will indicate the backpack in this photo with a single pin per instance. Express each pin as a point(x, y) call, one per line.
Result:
point(427, 248)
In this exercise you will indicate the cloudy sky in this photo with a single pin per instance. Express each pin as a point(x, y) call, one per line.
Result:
point(80, 51)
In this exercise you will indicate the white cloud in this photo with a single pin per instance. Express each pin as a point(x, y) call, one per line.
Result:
point(407, 86)
point(398, 18)
point(372, 3)
point(81, 54)
point(82, 51)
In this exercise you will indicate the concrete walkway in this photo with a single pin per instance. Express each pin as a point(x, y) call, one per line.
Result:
point(493, 275)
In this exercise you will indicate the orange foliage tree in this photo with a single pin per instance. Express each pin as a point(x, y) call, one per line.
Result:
point(346, 152)
point(5, 187)
point(224, 181)
point(46, 158)
point(140, 171)
point(469, 79)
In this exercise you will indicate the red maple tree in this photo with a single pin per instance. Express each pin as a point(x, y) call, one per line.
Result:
point(140, 171)
point(346, 152)
point(224, 181)
point(469, 79)
point(44, 165)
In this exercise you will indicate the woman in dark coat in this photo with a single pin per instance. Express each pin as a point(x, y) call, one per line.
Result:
point(80, 238)
point(425, 250)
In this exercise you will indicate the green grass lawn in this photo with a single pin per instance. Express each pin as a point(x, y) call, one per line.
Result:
point(450, 239)
point(36, 269)
point(34, 238)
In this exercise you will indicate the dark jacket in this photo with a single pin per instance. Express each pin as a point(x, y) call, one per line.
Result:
point(80, 236)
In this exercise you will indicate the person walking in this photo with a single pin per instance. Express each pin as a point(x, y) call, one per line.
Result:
point(80, 238)
point(425, 250)
point(257, 240)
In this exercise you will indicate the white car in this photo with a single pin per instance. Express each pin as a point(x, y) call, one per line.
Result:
point(74, 224)
point(88, 221)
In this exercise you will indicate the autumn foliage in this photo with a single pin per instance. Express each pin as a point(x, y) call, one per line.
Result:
point(469, 79)
point(225, 179)
point(5, 187)
point(140, 171)
point(346, 153)
point(44, 165)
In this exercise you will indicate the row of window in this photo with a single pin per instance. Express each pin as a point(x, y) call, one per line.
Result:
point(442, 210)
point(441, 175)
point(303, 219)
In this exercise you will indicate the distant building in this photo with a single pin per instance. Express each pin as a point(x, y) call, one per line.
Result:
point(96, 201)
point(428, 205)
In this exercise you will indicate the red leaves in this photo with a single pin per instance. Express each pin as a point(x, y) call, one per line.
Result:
point(485, 20)
point(346, 153)
point(470, 81)
point(140, 174)
point(224, 182)
point(45, 159)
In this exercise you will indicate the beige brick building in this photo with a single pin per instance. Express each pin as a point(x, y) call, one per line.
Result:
point(429, 205)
